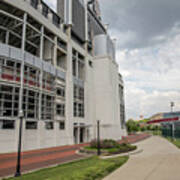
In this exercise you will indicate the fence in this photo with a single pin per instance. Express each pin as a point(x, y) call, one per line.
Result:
point(171, 132)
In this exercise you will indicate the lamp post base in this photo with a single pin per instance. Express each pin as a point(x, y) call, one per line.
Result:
point(17, 174)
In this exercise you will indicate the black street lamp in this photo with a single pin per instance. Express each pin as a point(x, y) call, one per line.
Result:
point(98, 139)
point(18, 166)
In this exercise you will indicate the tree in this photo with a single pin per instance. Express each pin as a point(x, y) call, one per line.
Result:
point(132, 126)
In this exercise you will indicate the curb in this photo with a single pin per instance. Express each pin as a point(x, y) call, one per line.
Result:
point(137, 151)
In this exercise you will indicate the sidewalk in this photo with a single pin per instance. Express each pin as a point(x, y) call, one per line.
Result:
point(160, 160)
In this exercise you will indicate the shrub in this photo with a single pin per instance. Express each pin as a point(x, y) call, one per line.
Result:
point(122, 149)
point(105, 144)
point(109, 143)
point(113, 147)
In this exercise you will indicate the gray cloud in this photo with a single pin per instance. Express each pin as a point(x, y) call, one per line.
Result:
point(150, 20)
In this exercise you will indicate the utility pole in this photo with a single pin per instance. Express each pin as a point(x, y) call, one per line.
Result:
point(98, 139)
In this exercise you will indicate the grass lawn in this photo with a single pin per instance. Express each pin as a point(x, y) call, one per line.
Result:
point(92, 168)
point(176, 142)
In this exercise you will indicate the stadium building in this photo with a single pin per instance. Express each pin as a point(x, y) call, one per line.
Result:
point(59, 70)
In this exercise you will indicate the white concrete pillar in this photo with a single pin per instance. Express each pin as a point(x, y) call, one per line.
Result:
point(69, 91)
point(41, 71)
point(55, 52)
point(7, 37)
point(86, 20)
point(23, 43)
point(40, 130)
point(40, 122)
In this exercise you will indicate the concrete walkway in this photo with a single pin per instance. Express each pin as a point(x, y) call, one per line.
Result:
point(160, 160)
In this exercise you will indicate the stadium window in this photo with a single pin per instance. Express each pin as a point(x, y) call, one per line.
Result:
point(49, 125)
point(7, 124)
point(62, 125)
point(31, 125)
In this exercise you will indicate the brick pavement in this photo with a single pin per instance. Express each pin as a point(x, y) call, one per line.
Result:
point(134, 138)
point(37, 159)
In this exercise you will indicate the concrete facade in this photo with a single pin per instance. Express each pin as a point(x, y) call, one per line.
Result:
point(62, 85)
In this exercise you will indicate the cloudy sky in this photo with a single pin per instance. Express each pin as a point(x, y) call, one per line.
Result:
point(148, 52)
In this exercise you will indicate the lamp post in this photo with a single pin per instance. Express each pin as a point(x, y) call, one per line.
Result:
point(98, 139)
point(18, 166)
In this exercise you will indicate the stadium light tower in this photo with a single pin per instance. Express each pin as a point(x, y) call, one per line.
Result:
point(172, 105)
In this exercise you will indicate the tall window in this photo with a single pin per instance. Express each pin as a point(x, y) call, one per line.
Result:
point(56, 20)
point(60, 110)
point(60, 91)
point(78, 67)
point(47, 105)
point(78, 101)
point(34, 3)
point(45, 10)
point(30, 104)
point(9, 101)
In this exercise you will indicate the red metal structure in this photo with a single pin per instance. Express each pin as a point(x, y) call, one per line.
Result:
point(163, 120)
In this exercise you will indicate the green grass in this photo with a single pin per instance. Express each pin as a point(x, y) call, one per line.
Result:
point(176, 142)
point(88, 169)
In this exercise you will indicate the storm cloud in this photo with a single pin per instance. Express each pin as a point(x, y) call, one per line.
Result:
point(142, 23)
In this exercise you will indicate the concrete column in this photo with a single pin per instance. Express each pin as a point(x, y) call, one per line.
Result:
point(69, 90)
point(86, 20)
point(77, 66)
point(56, 129)
point(40, 88)
point(55, 52)
point(23, 43)
point(41, 71)
point(40, 134)
point(7, 37)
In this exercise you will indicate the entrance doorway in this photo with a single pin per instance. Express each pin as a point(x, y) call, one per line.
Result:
point(82, 135)
point(79, 135)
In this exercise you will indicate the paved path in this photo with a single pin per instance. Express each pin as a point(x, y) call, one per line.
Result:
point(160, 160)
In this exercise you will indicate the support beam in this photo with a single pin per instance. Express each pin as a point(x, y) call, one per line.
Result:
point(15, 26)
point(10, 15)
point(34, 36)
